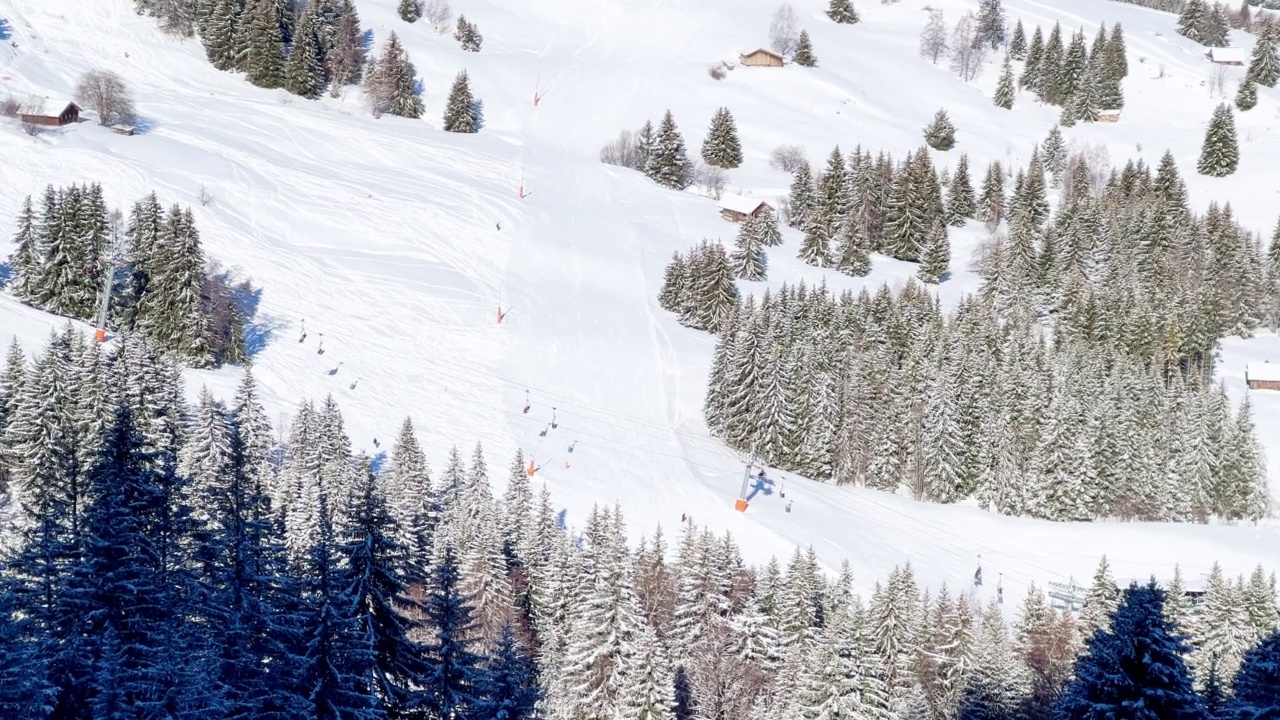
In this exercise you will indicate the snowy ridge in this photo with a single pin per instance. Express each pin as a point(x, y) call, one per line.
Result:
point(383, 235)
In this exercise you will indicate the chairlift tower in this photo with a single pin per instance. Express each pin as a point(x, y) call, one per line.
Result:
point(108, 278)
point(741, 503)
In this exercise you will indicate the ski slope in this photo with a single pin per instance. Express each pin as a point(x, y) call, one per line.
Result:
point(383, 236)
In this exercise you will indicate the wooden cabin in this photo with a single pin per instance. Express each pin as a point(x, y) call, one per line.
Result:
point(1262, 376)
point(1227, 56)
point(69, 114)
point(736, 208)
point(1108, 116)
point(761, 58)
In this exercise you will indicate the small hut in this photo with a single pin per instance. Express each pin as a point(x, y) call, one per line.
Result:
point(1262, 376)
point(1108, 116)
point(1227, 56)
point(736, 208)
point(761, 58)
point(69, 114)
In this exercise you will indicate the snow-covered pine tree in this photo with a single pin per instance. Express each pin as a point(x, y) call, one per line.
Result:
point(304, 70)
point(907, 222)
point(1264, 64)
point(716, 293)
point(1256, 688)
point(1138, 663)
point(509, 687)
point(1260, 602)
point(460, 114)
point(260, 43)
point(842, 11)
point(800, 201)
point(406, 482)
point(392, 83)
point(1018, 42)
point(853, 251)
point(171, 311)
point(1220, 155)
point(936, 258)
point(377, 565)
point(1247, 94)
point(410, 11)
point(991, 202)
point(1053, 152)
point(467, 35)
point(1070, 74)
point(1191, 21)
point(991, 29)
point(1003, 97)
point(668, 163)
point(219, 33)
point(346, 62)
point(1050, 66)
point(961, 204)
point(1116, 53)
point(940, 134)
point(1222, 632)
point(454, 673)
point(748, 258)
point(1030, 77)
point(26, 262)
point(721, 148)
point(767, 225)
point(804, 56)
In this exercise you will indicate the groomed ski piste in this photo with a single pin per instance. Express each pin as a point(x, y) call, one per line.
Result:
point(382, 234)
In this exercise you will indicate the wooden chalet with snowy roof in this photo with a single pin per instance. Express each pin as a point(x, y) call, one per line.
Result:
point(69, 114)
point(1108, 116)
point(761, 58)
point(1227, 56)
point(1262, 376)
point(737, 208)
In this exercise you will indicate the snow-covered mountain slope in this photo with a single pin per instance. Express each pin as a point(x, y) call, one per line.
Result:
point(383, 235)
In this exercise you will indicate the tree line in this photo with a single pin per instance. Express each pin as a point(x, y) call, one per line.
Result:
point(310, 48)
point(162, 286)
point(316, 588)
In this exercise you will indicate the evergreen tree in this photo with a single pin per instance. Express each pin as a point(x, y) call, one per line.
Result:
point(645, 138)
point(1256, 689)
point(1054, 154)
point(171, 311)
point(509, 687)
point(721, 148)
point(937, 254)
point(748, 258)
point(460, 111)
point(455, 676)
point(304, 71)
point(800, 201)
point(1030, 77)
point(27, 259)
point(1264, 64)
point(260, 44)
point(668, 163)
point(410, 11)
point(991, 29)
point(376, 563)
point(961, 204)
point(1003, 97)
point(842, 11)
point(804, 56)
point(1018, 42)
point(1136, 667)
point(345, 63)
point(1247, 95)
point(940, 134)
point(991, 202)
point(392, 84)
point(1116, 53)
point(1191, 22)
point(219, 33)
point(467, 35)
point(1220, 154)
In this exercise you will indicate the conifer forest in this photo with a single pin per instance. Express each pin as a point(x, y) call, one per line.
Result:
point(927, 269)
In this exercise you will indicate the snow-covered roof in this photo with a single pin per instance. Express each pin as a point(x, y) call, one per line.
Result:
point(1109, 111)
point(1228, 54)
point(741, 203)
point(766, 51)
point(1265, 371)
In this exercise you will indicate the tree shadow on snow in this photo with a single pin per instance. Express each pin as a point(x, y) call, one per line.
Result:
point(259, 332)
point(143, 125)
point(418, 87)
point(477, 110)
point(6, 274)
point(366, 40)
point(377, 462)
point(6, 30)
